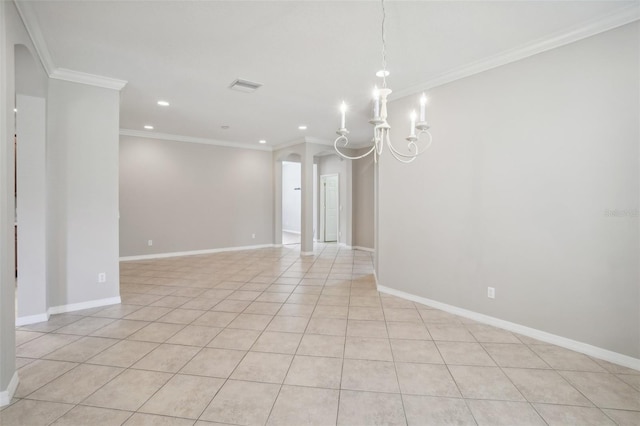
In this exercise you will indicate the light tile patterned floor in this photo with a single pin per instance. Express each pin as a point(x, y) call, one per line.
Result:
point(267, 337)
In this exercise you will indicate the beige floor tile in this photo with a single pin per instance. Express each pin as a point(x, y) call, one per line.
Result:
point(462, 353)
point(44, 345)
point(215, 319)
point(244, 295)
point(194, 335)
point(631, 380)
point(117, 311)
point(273, 297)
point(315, 371)
point(389, 301)
point(263, 367)
point(263, 308)
point(318, 345)
point(129, 390)
point(368, 348)
point(81, 415)
point(328, 311)
point(365, 301)
point(560, 415)
point(171, 301)
point(426, 379)
point(183, 396)
point(514, 355)
point(303, 299)
point(357, 328)
point(436, 316)
point(181, 316)
point(157, 332)
point(319, 406)
point(123, 354)
point(604, 390)
point(429, 410)
point(24, 336)
point(296, 310)
point(328, 326)
point(564, 359)
point(81, 350)
point(486, 333)
point(167, 358)
point(120, 329)
point(228, 305)
point(242, 403)
point(364, 313)
point(54, 323)
point(333, 300)
point(545, 386)
point(235, 339)
point(416, 351)
point(140, 419)
point(484, 383)
point(251, 322)
point(403, 315)
point(276, 342)
point(370, 408)
point(202, 304)
point(38, 373)
point(624, 418)
point(148, 313)
point(217, 293)
point(214, 362)
point(450, 333)
point(33, 413)
point(85, 326)
point(374, 376)
point(408, 330)
point(77, 384)
point(288, 324)
point(504, 413)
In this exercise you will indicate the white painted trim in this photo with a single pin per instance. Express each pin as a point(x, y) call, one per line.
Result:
point(617, 18)
point(84, 305)
point(370, 250)
point(322, 209)
point(7, 395)
point(193, 252)
point(25, 9)
point(189, 139)
point(283, 145)
point(292, 232)
point(278, 245)
point(585, 348)
point(32, 319)
point(89, 79)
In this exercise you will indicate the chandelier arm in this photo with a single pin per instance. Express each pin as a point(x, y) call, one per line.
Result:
point(408, 159)
point(412, 143)
point(348, 157)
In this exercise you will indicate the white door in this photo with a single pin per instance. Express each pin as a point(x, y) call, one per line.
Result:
point(330, 207)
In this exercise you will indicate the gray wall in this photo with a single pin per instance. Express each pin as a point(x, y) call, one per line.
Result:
point(363, 201)
point(187, 196)
point(527, 160)
point(82, 171)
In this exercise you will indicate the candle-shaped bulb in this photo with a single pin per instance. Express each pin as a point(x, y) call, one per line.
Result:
point(423, 108)
point(343, 110)
point(413, 123)
point(376, 102)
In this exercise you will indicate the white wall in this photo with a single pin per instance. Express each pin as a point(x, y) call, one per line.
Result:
point(527, 160)
point(82, 170)
point(187, 197)
point(291, 197)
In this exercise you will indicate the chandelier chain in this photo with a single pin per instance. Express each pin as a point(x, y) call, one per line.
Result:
point(384, 47)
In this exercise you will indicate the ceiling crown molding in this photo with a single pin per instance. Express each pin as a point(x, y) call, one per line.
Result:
point(90, 79)
point(189, 139)
point(607, 22)
point(30, 20)
point(28, 15)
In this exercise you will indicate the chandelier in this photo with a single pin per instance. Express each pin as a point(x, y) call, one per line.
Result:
point(382, 129)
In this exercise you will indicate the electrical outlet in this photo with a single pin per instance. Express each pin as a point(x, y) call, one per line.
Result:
point(253, 236)
point(102, 277)
point(150, 243)
point(491, 292)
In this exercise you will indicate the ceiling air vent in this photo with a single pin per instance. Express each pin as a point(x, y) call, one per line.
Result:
point(245, 85)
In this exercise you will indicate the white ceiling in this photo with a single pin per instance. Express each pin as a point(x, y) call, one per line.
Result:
point(309, 55)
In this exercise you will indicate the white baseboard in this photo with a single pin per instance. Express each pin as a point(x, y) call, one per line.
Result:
point(193, 252)
point(84, 305)
point(7, 395)
point(292, 232)
point(32, 319)
point(370, 250)
point(585, 348)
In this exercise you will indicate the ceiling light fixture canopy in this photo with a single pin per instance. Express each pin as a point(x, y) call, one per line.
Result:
point(382, 129)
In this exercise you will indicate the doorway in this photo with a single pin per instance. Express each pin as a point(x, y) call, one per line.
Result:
point(329, 208)
point(291, 202)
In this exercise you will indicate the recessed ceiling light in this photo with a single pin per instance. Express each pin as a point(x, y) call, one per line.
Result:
point(262, 141)
point(382, 73)
point(148, 127)
point(225, 127)
point(15, 110)
point(302, 127)
point(163, 103)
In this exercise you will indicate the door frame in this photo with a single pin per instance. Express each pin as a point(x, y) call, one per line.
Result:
point(322, 206)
